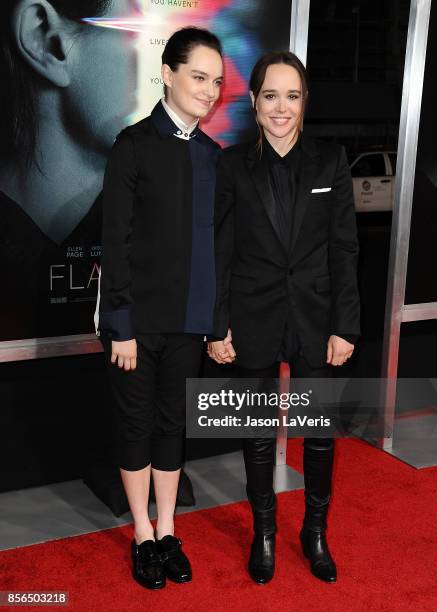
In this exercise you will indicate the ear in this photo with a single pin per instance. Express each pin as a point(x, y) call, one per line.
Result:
point(167, 75)
point(252, 98)
point(41, 38)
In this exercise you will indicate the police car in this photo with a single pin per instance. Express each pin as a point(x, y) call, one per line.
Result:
point(373, 177)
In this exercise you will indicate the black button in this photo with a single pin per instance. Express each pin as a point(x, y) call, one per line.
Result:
point(290, 272)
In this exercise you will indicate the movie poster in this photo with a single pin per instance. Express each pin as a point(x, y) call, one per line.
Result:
point(73, 75)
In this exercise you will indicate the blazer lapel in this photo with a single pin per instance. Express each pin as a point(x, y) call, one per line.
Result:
point(259, 171)
point(305, 180)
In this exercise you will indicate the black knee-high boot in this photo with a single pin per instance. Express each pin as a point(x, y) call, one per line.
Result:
point(259, 459)
point(317, 462)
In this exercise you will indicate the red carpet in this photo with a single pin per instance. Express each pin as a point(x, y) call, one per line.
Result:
point(382, 532)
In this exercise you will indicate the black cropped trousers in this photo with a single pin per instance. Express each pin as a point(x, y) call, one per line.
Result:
point(150, 401)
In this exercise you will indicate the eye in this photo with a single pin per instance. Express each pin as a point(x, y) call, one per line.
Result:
point(200, 78)
point(293, 97)
point(219, 83)
point(269, 96)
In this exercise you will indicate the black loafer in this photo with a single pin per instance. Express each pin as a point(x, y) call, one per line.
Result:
point(147, 567)
point(175, 563)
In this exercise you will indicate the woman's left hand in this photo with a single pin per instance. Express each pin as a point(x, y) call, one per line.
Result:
point(222, 351)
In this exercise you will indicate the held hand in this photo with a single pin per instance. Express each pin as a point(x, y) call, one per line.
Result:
point(222, 351)
point(228, 338)
point(339, 351)
point(125, 354)
point(228, 344)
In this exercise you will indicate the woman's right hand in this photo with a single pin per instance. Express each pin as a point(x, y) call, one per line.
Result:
point(125, 354)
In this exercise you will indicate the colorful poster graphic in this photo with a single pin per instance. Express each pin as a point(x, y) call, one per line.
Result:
point(74, 74)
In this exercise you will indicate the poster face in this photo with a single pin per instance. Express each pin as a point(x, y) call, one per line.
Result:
point(65, 98)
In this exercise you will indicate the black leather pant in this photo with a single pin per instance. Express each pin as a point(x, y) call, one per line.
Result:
point(259, 460)
point(318, 456)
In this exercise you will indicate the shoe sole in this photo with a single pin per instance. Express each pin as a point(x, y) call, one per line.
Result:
point(261, 581)
point(148, 586)
point(183, 581)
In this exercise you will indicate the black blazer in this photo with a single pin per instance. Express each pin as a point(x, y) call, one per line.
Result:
point(257, 276)
point(154, 199)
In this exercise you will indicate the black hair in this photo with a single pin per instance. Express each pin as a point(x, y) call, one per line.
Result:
point(18, 122)
point(182, 42)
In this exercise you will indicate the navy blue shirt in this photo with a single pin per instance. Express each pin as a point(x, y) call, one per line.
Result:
point(201, 296)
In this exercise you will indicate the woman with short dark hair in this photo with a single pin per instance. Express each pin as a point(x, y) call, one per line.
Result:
point(286, 255)
point(158, 288)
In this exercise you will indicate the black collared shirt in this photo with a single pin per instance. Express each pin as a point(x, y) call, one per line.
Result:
point(284, 172)
point(283, 177)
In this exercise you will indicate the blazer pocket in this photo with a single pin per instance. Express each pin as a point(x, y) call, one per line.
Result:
point(323, 284)
point(327, 195)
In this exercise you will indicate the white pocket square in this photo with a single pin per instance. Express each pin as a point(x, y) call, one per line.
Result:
point(321, 190)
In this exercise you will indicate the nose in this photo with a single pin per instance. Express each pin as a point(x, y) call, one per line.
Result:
point(281, 107)
point(210, 89)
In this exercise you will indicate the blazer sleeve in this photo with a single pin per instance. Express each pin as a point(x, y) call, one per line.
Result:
point(119, 188)
point(223, 244)
point(343, 255)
